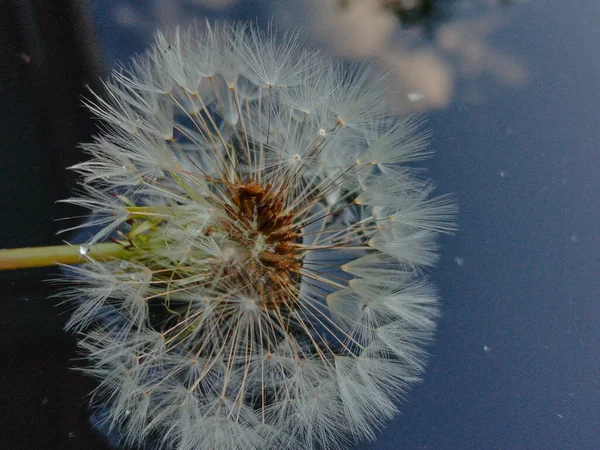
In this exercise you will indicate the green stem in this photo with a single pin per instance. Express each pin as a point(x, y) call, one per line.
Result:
point(21, 258)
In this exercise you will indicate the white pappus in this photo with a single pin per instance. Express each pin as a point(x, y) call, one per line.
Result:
point(272, 294)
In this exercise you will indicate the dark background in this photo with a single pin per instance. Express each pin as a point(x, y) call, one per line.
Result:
point(516, 363)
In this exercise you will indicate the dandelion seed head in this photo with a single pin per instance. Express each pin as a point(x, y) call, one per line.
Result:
point(271, 295)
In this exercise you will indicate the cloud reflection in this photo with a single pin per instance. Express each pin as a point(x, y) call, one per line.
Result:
point(425, 72)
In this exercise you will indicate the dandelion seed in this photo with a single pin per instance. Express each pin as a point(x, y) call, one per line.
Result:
point(415, 96)
point(269, 292)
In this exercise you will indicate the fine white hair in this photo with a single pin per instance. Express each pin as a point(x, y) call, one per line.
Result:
point(275, 294)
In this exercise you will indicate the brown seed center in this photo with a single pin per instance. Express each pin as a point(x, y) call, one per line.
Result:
point(264, 231)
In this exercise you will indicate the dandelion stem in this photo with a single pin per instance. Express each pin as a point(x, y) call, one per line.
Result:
point(21, 258)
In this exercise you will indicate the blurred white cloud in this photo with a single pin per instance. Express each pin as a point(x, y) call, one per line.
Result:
point(357, 29)
point(468, 42)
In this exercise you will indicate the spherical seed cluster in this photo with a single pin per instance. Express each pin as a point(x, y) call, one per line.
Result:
point(271, 294)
